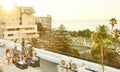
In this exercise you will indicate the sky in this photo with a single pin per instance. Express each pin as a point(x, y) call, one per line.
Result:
point(71, 9)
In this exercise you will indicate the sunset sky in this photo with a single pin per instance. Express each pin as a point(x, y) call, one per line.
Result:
point(71, 9)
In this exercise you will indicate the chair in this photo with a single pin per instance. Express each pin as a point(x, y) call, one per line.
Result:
point(35, 63)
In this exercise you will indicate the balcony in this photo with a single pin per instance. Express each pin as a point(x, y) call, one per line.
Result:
point(28, 31)
point(11, 32)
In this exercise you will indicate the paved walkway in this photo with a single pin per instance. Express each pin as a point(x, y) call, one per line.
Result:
point(13, 68)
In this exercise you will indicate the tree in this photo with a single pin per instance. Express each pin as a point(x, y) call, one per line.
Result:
point(60, 39)
point(41, 30)
point(61, 42)
point(73, 34)
point(85, 33)
point(35, 42)
point(80, 33)
point(99, 38)
point(113, 21)
point(100, 48)
point(116, 31)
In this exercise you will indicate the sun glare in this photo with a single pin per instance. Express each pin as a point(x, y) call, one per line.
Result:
point(7, 7)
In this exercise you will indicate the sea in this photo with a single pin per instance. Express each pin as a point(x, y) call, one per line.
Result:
point(76, 25)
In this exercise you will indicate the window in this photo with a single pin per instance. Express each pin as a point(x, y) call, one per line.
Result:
point(20, 23)
point(10, 34)
point(17, 29)
point(20, 18)
point(29, 28)
point(3, 23)
point(12, 29)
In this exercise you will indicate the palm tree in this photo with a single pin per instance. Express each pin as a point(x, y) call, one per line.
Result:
point(116, 37)
point(113, 21)
point(100, 37)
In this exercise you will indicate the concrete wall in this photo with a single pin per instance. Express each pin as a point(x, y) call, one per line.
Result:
point(48, 66)
point(63, 69)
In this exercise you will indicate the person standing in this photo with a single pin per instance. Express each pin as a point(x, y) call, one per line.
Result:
point(23, 46)
point(30, 50)
point(8, 56)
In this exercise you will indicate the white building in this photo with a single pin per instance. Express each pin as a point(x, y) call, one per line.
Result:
point(45, 21)
point(18, 23)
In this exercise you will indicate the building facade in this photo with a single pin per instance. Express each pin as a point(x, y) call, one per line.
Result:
point(45, 21)
point(46, 24)
point(18, 23)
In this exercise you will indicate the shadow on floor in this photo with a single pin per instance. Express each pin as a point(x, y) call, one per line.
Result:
point(1, 70)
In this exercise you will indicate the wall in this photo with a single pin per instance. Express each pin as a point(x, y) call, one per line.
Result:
point(48, 66)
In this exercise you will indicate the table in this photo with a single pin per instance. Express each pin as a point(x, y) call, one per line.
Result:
point(22, 65)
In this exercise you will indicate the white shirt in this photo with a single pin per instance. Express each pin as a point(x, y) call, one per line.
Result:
point(35, 58)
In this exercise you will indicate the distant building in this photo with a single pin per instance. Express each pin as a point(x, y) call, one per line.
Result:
point(46, 24)
point(18, 23)
point(45, 21)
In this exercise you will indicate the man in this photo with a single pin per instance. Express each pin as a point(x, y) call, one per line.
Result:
point(35, 58)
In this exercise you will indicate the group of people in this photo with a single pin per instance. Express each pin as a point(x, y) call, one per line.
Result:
point(19, 56)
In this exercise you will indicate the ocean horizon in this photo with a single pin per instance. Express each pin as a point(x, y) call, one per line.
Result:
point(75, 25)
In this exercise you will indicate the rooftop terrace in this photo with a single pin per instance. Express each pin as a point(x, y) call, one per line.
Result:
point(52, 62)
point(12, 67)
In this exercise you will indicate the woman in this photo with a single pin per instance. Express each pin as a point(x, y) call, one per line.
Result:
point(15, 59)
point(8, 56)
point(16, 53)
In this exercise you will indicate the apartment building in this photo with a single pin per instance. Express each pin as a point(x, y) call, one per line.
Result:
point(45, 22)
point(18, 23)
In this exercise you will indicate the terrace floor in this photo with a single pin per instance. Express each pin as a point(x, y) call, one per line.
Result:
point(13, 68)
